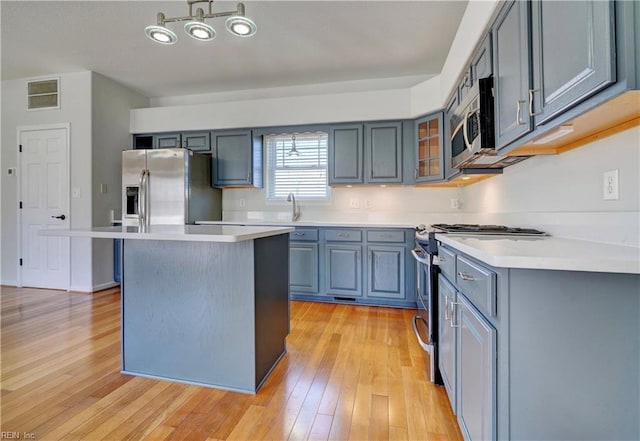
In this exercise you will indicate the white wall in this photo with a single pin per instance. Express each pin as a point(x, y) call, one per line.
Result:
point(75, 108)
point(563, 194)
point(110, 107)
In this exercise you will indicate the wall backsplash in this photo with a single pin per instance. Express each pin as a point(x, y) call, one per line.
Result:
point(561, 194)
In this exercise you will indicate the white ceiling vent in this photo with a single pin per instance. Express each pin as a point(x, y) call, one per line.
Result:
point(43, 94)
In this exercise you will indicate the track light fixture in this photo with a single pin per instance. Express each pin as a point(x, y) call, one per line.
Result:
point(196, 27)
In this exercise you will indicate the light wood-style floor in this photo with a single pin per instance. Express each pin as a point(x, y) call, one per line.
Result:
point(351, 372)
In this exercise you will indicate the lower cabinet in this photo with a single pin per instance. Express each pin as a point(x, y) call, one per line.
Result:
point(446, 339)
point(476, 372)
point(353, 265)
point(385, 271)
point(343, 269)
point(467, 357)
point(303, 267)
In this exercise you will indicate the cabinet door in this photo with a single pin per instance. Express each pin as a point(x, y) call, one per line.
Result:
point(167, 141)
point(303, 267)
point(476, 373)
point(481, 64)
point(232, 158)
point(511, 55)
point(385, 272)
point(446, 338)
point(196, 141)
point(449, 122)
point(573, 53)
point(346, 154)
point(344, 269)
point(383, 151)
point(430, 148)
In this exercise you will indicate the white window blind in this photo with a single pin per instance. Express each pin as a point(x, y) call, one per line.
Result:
point(304, 175)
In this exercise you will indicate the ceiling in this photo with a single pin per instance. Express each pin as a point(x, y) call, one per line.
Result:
point(297, 43)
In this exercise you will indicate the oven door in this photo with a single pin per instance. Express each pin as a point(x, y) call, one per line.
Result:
point(423, 322)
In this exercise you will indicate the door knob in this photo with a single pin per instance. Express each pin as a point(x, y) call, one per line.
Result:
point(61, 217)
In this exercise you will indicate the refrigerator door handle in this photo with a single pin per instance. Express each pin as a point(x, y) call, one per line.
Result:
point(142, 198)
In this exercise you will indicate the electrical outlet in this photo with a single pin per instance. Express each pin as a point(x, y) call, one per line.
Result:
point(354, 203)
point(11, 171)
point(242, 203)
point(369, 204)
point(455, 203)
point(610, 188)
point(103, 188)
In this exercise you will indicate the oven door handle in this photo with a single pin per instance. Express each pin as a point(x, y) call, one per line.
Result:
point(423, 260)
point(427, 347)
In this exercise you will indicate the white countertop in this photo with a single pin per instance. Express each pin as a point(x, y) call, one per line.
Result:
point(190, 233)
point(317, 224)
point(546, 252)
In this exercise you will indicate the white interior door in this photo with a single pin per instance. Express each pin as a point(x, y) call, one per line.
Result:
point(44, 194)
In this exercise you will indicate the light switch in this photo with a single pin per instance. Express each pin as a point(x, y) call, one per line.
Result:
point(103, 188)
point(75, 193)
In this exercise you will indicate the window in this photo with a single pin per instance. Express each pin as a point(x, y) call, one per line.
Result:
point(304, 174)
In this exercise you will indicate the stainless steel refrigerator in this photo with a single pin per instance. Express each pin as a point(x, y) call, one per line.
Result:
point(168, 186)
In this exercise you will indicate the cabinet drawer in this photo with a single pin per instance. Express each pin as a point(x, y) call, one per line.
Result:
point(307, 234)
point(478, 284)
point(385, 236)
point(447, 263)
point(343, 236)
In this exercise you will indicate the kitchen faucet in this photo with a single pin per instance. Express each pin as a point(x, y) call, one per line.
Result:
point(295, 210)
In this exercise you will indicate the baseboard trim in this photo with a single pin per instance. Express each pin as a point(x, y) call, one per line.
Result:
point(11, 283)
point(106, 285)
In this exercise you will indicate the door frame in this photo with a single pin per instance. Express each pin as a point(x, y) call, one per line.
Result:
point(34, 128)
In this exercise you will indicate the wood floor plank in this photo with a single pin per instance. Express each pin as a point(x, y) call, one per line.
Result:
point(350, 372)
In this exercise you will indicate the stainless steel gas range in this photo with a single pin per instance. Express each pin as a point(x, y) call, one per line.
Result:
point(425, 253)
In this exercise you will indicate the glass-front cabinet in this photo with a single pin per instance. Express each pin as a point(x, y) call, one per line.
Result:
point(430, 148)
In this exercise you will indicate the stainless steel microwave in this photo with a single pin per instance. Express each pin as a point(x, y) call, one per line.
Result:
point(472, 129)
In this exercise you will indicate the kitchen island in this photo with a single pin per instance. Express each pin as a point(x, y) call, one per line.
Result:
point(202, 304)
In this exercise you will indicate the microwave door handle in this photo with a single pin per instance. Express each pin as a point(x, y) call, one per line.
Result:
point(464, 130)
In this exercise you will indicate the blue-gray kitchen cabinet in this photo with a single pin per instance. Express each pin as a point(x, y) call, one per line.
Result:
point(383, 152)
point(303, 267)
point(343, 262)
point(450, 122)
point(197, 141)
point(447, 339)
point(429, 137)
point(386, 271)
point(346, 154)
point(476, 372)
point(481, 63)
point(236, 159)
point(304, 262)
point(167, 140)
point(573, 45)
point(511, 64)
point(523, 341)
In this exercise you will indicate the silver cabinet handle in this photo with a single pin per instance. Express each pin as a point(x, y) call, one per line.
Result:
point(518, 104)
point(342, 234)
point(465, 276)
point(416, 174)
point(297, 233)
point(446, 308)
point(531, 112)
point(453, 314)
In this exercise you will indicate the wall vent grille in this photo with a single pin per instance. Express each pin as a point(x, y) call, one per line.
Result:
point(43, 94)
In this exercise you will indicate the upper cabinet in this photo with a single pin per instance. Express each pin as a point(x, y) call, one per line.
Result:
point(236, 159)
point(346, 154)
point(197, 141)
point(573, 53)
point(566, 56)
point(511, 49)
point(167, 141)
point(368, 153)
point(383, 152)
point(430, 148)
